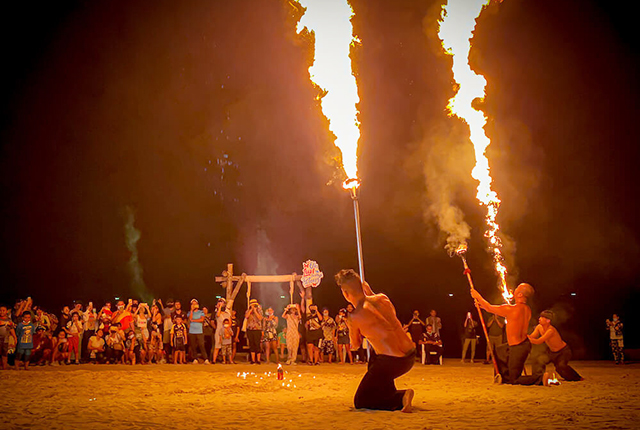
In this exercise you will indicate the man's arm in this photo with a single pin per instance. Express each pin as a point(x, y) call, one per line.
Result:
point(543, 338)
point(502, 310)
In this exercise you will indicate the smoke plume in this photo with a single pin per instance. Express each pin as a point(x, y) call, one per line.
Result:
point(444, 169)
point(132, 236)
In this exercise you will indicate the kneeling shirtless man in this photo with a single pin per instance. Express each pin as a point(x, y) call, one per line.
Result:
point(374, 317)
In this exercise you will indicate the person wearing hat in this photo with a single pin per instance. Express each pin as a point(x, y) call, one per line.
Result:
point(196, 332)
point(254, 329)
point(558, 352)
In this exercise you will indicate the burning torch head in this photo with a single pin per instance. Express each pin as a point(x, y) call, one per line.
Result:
point(461, 250)
point(353, 185)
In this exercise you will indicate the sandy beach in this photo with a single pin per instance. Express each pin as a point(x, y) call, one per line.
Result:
point(219, 396)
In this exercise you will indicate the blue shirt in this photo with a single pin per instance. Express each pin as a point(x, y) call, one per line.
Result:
point(195, 327)
point(25, 333)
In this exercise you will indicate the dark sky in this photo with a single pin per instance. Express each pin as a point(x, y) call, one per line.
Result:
point(113, 104)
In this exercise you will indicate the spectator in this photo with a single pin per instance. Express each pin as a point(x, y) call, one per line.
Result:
point(115, 345)
point(495, 329)
point(96, 346)
point(221, 315)
point(291, 315)
point(435, 321)
point(7, 331)
point(329, 333)
point(24, 333)
point(42, 347)
point(167, 324)
point(270, 334)
point(123, 315)
point(226, 342)
point(415, 328)
point(196, 332)
point(73, 330)
point(208, 327)
point(432, 346)
point(64, 319)
point(314, 335)
point(616, 339)
point(342, 332)
point(254, 318)
point(470, 337)
point(179, 340)
point(132, 348)
point(60, 348)
point(236, 335)
point(177, 310)
point(156, 351)
point(89, 327)
point(282, 341)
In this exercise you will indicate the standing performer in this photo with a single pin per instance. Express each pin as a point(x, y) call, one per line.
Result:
point(394, 353)
point(559, 352)
point(510, 357)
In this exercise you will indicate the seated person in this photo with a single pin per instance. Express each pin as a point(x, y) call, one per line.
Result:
point(431, 346)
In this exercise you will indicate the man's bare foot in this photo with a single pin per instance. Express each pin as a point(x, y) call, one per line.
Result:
point(545, 379)
point(406, 400)
point(497, 378)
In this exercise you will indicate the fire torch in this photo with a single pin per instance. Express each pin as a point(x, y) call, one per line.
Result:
point(353, 185)
point(461, 252)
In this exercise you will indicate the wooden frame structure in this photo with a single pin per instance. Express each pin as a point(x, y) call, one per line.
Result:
point(228, 278)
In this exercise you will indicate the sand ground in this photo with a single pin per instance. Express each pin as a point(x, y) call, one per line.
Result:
point(453, 396)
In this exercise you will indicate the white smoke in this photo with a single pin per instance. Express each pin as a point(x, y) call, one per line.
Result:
point(132, 236)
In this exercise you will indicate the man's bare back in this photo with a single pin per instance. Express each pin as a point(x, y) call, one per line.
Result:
point(376, 320)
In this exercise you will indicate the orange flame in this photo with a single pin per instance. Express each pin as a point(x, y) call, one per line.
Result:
point(330, 21)
point(457, 23)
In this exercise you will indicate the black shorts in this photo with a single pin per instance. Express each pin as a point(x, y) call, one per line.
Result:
point(314, 336)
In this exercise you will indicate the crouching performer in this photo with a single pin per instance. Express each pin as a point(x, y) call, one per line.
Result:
point(558, 353)
point(374, 317)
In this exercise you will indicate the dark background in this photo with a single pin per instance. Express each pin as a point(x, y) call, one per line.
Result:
point(200, 116)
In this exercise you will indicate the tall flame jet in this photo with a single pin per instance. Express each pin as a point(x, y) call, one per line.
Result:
point(458, 20)
point(330, 21)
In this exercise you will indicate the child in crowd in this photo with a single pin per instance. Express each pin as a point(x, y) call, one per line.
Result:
point(155, 345)
point(179, 340)
point(7, 333)
point(226, 341)
point(282, 340)
point(95, 346)
point(73, 330)
point(24, 332)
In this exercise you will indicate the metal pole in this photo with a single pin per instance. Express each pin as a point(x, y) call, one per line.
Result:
point(356, 213)
point(467, 271)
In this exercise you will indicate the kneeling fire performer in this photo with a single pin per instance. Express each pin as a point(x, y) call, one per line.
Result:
point(374, 317)
point(511, 357)
point(558, 353)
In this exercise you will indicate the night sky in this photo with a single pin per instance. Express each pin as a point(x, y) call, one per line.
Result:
point(200, 118)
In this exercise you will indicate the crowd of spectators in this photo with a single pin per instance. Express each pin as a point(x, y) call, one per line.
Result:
point(134, 332)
